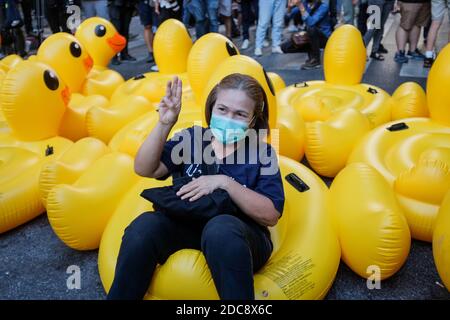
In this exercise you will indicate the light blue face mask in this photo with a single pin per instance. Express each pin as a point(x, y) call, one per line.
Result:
point(228, 130)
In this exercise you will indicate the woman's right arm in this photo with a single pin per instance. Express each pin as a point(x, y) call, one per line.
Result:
point(147, 162)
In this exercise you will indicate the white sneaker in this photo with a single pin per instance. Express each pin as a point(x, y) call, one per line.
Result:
point(154, 68)
point(245, 44)
point(266, 43)
point(277, 49)
point(258, 52)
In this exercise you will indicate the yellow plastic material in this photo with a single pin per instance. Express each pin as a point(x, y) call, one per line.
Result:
point(339, 110)
point(33, 107)
point(104, 122)
point(409, 101)
point(171, 47)
point(329, 143)
point(438, 84)
point(289, 140)
point(130, 138)
point(19, 173)
point(70, 165)
point(79, 212)
point(101, 40)
point(373, 232)
point(151, 85)
point(245, 65)
point(65, 54)
point(441, 242)
point(344, 57)
point(206, 54)
point(73, 125)
point(103, 82)
point(9, 62)
point(415, 161)
point(305, 247)
point(277, 81)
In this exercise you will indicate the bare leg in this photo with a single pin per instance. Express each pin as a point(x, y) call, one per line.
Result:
point(401, 37)
point(148, 37)
point(432, 34)
point(414, 35)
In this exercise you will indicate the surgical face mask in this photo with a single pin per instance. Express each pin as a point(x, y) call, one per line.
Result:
point(228, 130)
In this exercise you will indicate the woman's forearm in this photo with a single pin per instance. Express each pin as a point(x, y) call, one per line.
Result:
point(255, 205)
point(147, 161)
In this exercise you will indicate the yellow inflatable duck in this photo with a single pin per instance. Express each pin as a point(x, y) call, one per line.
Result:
point(372, 229)
point(300, 239)
point(441, 241)
point(413, 154)
point(6, 64)
point(33, 100)
point(102, 42)
point(330, 135)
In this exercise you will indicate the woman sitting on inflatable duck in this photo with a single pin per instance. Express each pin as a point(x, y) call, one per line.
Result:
point(221, 205)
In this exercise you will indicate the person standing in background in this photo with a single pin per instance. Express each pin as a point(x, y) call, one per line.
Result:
point(121, 12)
point(270, 10)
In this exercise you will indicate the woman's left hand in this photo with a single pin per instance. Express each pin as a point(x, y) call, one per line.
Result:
point(202, 185)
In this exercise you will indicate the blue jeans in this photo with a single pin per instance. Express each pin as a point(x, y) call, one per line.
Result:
point(95, 8)
point(270, 10)
point(213, 12)
point(233, 249)
point(197, 9)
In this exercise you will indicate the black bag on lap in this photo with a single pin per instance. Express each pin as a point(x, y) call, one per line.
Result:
point(165, 199)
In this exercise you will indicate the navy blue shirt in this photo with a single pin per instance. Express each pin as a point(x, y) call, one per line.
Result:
point(253, 165)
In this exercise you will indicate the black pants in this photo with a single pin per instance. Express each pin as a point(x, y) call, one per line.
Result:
point(233, 249)
point(57, 18)
point(248, 15)
point(121, 17)
point(317, 41)
point(27, 6)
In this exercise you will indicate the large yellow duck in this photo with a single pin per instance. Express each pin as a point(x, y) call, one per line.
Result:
point(102, 42)
point(413, 154)
point(33, 101)
point(340, 109)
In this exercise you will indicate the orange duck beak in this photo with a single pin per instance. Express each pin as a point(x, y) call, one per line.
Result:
point(65, 95)
point(117, 42)
point(88, 63)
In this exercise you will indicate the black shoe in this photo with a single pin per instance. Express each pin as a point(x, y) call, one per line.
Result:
point(151, 58)
point(382, 49)
point(377, 56)
point(115, 61)
point(428, 62)
point(311, 64)
point(127, 57)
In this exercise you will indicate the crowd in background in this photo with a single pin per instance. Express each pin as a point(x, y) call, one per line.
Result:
point(285, 25)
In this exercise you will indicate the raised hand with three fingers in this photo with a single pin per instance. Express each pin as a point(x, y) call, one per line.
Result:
point(170, 105)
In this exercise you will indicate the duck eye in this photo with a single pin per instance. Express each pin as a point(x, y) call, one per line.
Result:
point(51, 80)
point(100, 30)
point(75, 49)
